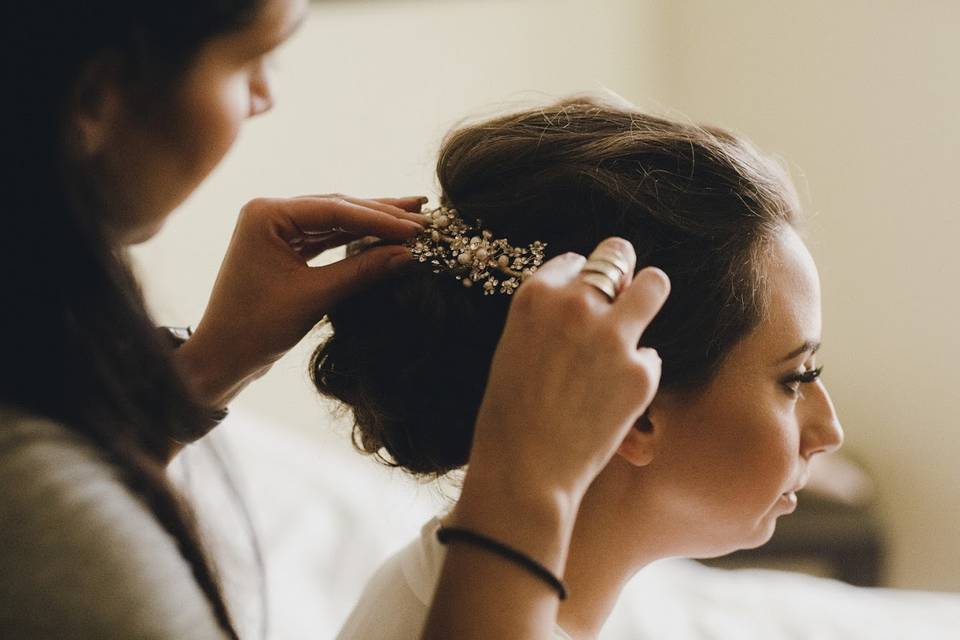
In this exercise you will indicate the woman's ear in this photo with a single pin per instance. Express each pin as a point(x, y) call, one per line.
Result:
point(97, 104)
point(639, 447)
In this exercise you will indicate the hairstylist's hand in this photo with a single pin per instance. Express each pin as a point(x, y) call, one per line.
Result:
point(568, 379)
point(266, 296)
point(567, 383)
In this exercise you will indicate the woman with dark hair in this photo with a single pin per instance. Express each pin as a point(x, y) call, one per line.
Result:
point(115, 112)
point(741, 410)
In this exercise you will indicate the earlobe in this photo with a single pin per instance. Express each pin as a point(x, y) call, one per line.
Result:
point(639, 446)
point(96, 106)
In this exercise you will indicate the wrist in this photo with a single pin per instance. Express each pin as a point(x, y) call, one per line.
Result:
point(178, 337)
point(212, 380)
point(526, 513)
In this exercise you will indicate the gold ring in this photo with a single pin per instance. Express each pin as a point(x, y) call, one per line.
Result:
point(600, 282)
point(617, 277)
point(612, 256)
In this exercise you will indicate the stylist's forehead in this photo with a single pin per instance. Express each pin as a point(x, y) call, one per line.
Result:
point(276, 20)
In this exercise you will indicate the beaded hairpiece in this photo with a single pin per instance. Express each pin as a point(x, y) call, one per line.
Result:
point(472, 254)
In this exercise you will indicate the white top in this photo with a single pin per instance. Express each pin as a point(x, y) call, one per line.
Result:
point(80, 555)
point(395, 601)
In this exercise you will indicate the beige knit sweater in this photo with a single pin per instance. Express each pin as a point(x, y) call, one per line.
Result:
point(80, 556)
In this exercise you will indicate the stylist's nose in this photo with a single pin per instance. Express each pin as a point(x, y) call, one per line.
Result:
point(822, 432)
point(261, 93)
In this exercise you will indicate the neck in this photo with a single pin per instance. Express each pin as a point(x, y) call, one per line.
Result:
point(604, 553)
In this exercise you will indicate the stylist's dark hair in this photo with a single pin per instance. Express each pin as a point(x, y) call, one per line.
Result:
point(79, 346)
point(411, 356)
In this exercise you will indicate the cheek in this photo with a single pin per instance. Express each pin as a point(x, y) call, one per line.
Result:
point(214, 110)
point(768, 452)
point(738, 457)
point(760, 439)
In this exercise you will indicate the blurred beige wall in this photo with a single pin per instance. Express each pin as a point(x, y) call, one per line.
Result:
point(860, 98)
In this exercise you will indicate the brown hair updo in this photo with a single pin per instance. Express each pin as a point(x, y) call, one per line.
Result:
point(411, 355)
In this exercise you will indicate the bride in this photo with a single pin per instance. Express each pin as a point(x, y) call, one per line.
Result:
point(741, 410)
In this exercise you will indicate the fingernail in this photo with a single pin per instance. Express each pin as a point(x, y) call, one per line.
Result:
point(656, 279)
point(400, 258)
point(617, 244)
point(423, 199)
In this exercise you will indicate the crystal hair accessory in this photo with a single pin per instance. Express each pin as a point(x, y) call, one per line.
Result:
point(472, 254)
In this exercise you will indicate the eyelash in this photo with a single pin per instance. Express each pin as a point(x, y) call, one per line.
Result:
point(793, 382)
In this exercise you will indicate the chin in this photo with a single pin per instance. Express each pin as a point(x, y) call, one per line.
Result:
point(142, 233)
point(763, 536)
point(764, 531)
point(757, 537)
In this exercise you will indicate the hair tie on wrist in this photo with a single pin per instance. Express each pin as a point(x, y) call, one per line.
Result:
point(454, 534)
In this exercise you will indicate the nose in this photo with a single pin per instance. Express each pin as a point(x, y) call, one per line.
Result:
point(261, 92)
point(259, 105)
point(822, 432)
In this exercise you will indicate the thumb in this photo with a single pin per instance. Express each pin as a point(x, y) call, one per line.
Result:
point(332, 283)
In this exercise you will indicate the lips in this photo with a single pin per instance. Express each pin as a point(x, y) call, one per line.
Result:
point(788, 501)
point(800, 485)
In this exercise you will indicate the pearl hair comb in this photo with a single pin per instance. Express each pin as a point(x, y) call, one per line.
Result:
point(472, 254)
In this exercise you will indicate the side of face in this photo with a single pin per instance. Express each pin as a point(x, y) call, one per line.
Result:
point(716, 466)
point(148, 168)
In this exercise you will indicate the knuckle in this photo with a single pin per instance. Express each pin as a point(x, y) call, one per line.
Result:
point(620, 245)
point(571, 258)
point(651, 353)
point(542, 303)
point(252, 207)
point(648, 364)
point(255, 209)
point(530, 293)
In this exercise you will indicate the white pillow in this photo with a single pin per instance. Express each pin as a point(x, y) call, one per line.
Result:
point(327, 517)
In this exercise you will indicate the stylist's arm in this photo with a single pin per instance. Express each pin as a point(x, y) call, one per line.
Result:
point(267, 296)
point(567, 383)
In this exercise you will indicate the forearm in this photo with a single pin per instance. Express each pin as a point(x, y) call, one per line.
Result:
point(209, 373)
point(211, 380)
point(483, 595)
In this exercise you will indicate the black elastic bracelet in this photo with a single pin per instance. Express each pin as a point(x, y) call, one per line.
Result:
point(453, 534)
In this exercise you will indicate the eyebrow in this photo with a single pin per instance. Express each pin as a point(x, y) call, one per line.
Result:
point(276, 36)
point(809, 345)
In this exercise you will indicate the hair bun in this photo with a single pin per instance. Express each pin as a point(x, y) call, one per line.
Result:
point(410, 357)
